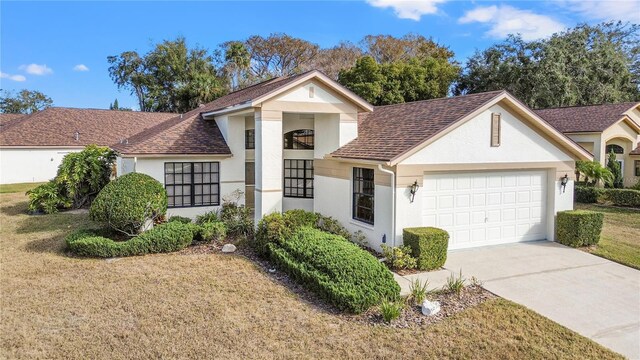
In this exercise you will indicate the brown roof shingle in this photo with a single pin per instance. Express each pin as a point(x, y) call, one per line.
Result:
point(592, 118)
point(390, 131)
point(6, 118)
point(57, 126)
point(182, 134)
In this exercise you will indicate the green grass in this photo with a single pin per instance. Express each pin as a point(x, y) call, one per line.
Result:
point(620, 239)
point(17, 188)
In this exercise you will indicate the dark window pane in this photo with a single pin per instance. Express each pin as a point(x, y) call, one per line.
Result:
point(298, 178)
point(363, 194)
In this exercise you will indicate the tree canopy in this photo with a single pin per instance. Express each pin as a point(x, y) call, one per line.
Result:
point(169, 78)
point(581, 66)
point(24, 102)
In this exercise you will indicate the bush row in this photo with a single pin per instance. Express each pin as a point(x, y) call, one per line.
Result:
point(163, 238)
point(341, 272)
point(577, 228)
point(619, 197)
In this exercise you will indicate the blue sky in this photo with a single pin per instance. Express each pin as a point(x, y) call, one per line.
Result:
point(60, 48)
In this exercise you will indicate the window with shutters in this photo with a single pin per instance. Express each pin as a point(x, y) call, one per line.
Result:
point(495, 130)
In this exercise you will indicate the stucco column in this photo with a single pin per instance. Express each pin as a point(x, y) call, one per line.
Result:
point(268, 153)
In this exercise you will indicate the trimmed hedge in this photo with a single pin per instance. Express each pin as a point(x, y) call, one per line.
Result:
point(345, 275)
point(127, 203)
point(577, 228)
point(276, 227)
point(587, 194)
point(428, 244)
point(163, 238)
point(623, 197)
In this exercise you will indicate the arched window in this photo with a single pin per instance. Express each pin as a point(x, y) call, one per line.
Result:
point(299, 139)
point(617, 149)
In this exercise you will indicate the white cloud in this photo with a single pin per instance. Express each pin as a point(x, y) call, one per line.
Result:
point(36, 69)
point(625, 10)
point(409, 9)
point(80, 67)
point(12, 77)
point(504, 20)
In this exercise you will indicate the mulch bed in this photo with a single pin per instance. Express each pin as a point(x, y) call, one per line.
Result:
point(411, 315)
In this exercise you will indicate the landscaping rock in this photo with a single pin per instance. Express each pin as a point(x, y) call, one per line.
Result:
point(430, 308)
point(228, 248)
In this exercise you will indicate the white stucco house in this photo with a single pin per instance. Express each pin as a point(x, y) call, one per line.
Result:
point(602, 129)
point(484, 167)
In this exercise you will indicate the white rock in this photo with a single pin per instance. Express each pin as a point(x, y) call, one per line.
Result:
point(430, 307)
point(228, 248)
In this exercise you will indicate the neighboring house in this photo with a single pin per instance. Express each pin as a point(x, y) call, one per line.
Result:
point(601, 129)
point(488, 169)
point(32, 146)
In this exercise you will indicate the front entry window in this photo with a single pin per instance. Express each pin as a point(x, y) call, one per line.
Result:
point(617, 149)
point(363, 195)
point(298, 178)
point(299, 140)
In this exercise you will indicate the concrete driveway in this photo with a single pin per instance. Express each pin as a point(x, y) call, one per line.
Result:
point(593, 296)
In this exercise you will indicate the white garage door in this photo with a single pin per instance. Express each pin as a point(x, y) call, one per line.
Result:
point(486, 208)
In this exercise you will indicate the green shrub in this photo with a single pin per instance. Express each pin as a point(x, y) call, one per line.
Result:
point(455, 284)
point(399, 257)
point(623, 197)
point(428, 244)
point(636, 186)
point(272, 228)
point(128, 203)
point(332, 226)
point(47, 198)
point(211, 216)
point(345, 275)
point(237, 218)
point(81, 175)
point(182, 219)
point(390, 310)
point(163, 238)
point(212, 231)
point(587, 194)
point(578, 227)
point(418, 291)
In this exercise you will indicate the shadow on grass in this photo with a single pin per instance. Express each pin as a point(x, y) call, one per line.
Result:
point(52, 245)
point(15, 209)
point(54, 223)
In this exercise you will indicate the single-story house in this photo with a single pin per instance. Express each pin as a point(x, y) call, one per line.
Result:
point(484, 167)
point(32, 146)
point(602, 129)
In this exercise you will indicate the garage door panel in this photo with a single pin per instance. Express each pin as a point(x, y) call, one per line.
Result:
point(487, 208)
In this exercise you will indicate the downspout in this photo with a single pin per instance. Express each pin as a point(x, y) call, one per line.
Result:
point(135, 163)
point(393, 202)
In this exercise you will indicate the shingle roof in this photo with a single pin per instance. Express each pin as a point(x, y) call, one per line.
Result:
point(592, 118)
point(56, 126)
point(635, 151)
point(182, 134)
point(390, 131)
point(252, 92)
point(6, 118)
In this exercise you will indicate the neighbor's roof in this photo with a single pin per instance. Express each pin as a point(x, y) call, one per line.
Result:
point(57, 126)
point(6, 118)
point(591, 118)
point(188, 133)
point(392, 130)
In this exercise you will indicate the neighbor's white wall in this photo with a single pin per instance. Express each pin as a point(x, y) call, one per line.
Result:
point(470, 142)
point(30, 165)
point(333, 197)
point(230, 179)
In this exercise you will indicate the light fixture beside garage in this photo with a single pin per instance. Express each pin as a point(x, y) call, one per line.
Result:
point(413, 190)
point(563, 182)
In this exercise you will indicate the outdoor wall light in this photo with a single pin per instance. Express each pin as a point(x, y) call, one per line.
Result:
point(414, 189)
point(563, 182)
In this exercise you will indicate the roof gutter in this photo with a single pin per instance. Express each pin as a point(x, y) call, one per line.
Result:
point(228, 110)
point(393, 202)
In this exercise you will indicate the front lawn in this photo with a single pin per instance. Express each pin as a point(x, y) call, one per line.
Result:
point(620, 239)
point(189, 305)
